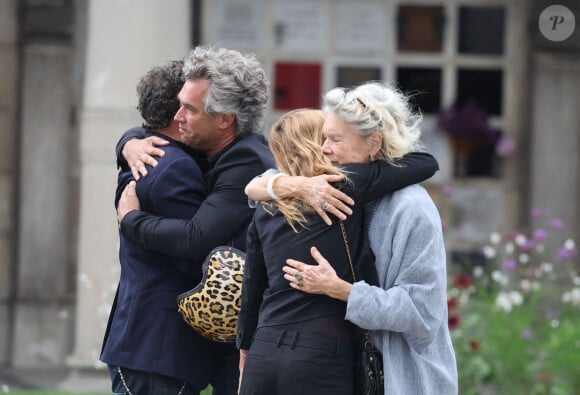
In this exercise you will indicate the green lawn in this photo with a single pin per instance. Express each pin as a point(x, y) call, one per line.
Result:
point(22, 392)
point(207, 391)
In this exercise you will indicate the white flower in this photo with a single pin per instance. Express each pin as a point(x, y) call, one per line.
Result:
point(526, 285)
point(521, 240)
point(494, 238)
point(566, 297)
point(504, 302)
point(547, 267)
point(478, 272)
point(488, 252)
point(500, 278)
point(577, 280)
point(569, 244)
point(509, 248)
point(516, 298)
point(524, 258)
point(576, 296)
point(554, 323)
point(572, 297)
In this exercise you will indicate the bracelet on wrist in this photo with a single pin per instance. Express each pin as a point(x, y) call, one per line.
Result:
point(271, 184)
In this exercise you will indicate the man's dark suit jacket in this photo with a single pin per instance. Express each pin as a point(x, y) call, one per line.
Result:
point(224, 216)
point(145, 330)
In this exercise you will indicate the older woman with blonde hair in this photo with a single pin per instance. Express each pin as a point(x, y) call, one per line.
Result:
point(292, 342)
point(405, 310)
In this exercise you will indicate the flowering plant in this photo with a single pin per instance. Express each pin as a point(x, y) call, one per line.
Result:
point(468, 128)
point(515, 313)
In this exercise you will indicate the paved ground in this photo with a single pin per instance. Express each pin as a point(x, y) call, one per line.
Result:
point(74, 381)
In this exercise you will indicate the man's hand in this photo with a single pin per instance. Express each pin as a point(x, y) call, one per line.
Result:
point(128, 201)
point(139, 152)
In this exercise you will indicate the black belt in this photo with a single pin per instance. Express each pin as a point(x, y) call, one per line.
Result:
point(294, 338)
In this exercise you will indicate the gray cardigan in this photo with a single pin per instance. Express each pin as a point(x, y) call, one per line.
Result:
point(407, 315)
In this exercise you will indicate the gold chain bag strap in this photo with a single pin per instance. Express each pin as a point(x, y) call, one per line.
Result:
point(369, 374)
point(212, 307)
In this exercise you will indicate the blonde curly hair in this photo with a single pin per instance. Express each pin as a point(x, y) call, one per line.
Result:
point(296, 143)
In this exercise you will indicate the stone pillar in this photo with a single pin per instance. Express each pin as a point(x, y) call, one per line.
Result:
point(555, 135)
point(40, 335)
point(8, 108)
point(124, 40)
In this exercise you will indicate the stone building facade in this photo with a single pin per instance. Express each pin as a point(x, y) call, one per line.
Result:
point(69, 70)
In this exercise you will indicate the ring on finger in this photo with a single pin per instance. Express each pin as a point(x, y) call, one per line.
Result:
point(325, 206)
point(298, 283)
point(298, 276)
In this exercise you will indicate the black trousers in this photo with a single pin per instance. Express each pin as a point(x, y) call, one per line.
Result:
point(293, 362)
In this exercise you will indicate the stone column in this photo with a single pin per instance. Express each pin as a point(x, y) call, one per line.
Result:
point(555, 136)
point(124, 40)
point(8, 108)
point(40, 335)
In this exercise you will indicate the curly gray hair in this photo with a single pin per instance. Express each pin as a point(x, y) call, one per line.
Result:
point(238, 85)
point(376, 107)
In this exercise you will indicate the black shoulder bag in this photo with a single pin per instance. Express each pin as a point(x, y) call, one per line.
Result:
point(369, 374)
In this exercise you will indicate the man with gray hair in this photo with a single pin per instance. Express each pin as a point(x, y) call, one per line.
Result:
point(222, 108)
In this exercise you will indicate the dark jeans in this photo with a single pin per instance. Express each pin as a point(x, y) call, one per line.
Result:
point(145, 383)
point(222, 373)
point(290, 363)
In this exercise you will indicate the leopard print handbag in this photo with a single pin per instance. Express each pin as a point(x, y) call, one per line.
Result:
point(212, 307)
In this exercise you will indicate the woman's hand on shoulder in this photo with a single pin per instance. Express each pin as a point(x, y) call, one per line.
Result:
point(319, 193)
point(141, 152)
point(316, 279)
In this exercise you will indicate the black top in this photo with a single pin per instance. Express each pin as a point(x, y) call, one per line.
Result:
point(267, 298)
point(223, 217)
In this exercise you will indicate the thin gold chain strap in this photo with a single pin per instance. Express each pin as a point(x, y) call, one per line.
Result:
point(368, 341)
point(347, 251)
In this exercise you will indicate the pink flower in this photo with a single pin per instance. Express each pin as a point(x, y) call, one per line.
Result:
point(510, 265)
point(529, 245)
point(537, 213)
point(557, 224)
point(540, 235)
point(447, 190)
point(527, 334)
point(505, 147)
point(565, 253)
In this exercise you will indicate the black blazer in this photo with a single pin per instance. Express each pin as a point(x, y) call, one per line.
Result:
point(223, 217)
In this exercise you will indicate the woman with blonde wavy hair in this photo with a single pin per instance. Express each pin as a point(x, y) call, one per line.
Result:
point(293, 342)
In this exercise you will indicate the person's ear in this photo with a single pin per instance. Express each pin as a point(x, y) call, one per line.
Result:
point(375, 141)
point(226, 121)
